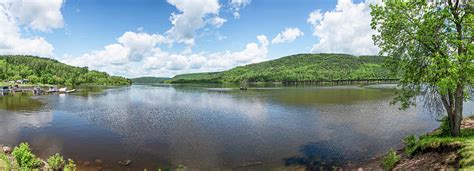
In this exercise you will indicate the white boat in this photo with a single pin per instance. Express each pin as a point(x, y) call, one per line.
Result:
point(64, 90)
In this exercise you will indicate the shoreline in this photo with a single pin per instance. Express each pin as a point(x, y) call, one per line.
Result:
point(444, 157)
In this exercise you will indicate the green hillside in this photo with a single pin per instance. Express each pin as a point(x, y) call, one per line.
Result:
point(147, 80)
point(301, 67)
point(49, 71)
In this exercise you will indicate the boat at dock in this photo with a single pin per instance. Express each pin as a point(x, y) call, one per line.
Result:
point(52, 90)
point(65, 90)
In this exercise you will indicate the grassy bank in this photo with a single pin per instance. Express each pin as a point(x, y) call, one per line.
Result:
point(435, 150)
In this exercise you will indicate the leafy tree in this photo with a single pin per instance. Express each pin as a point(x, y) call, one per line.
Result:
point(33, 79)
point(15, 77)
point(430, 45)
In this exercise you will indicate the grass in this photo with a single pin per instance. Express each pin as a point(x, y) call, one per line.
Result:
point(390, 160)
point(4, 162)
point(438, 141)
point(467, 154)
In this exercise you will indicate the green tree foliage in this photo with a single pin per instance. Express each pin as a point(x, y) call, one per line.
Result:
point(430, 45)
point(50, 71)
point(301, 67)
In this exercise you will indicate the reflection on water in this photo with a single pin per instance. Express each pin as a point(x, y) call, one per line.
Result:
point(19, 102)
point(213, 127)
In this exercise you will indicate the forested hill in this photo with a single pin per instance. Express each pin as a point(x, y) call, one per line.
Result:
point(301, 67)
point(146, 80)
point(49, 71)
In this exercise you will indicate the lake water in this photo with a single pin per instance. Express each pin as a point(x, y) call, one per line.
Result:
point(212, 128)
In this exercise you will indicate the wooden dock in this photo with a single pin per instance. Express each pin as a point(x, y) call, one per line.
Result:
point(33, 90)
point(341, 82)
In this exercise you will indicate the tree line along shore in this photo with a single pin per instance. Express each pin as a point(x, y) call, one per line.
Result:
point(19, 69)
point(294, 68)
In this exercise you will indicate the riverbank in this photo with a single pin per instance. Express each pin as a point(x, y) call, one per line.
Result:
point(431, 151)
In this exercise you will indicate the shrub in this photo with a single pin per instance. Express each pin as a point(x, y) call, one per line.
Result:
point(70, 166)
point(390, 160)
point(444, 127)
point(56, 161)
point(410, 144)
point(24, 157)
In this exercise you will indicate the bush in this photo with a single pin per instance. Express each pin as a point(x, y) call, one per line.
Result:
point(25, 158)
point(70, 166)
point(410, 144)
point(56, 161)
point(390, 160)
point(444, 127)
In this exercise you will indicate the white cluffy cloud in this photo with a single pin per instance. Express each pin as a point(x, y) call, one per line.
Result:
point(287, 36)
point(138, 54)
point(31, 14)
point(236, 5)
point(345, 29)
point(39, 15)
point(191, 18)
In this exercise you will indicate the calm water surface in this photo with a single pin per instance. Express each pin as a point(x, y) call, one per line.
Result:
point(208, 128)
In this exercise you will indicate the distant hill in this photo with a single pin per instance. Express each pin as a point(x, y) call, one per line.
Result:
point(148, 80)
point(301, 67)
point(49, 71)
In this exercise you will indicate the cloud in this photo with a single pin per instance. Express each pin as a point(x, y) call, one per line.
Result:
point(252, 53)
point(345, 29)
point(315, 17)
point(118, 59)
point(197, 61)
point(190, 19)
point(287, 36)
point(130, 47)
point(28, 14)
point(38, 15)
point(139, 44)
point(236, 5)
point(217, 21)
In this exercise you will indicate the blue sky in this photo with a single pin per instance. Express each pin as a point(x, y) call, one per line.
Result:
point(168, 37)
